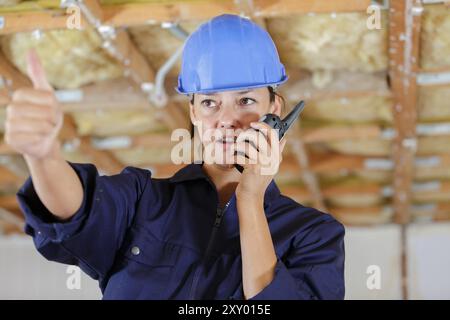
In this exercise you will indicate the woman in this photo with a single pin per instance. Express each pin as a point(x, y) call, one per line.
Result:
point(208, 232)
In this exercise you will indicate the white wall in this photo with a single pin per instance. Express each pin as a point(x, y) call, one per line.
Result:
point(24, 274)
point(429, 261)
point(372, 246)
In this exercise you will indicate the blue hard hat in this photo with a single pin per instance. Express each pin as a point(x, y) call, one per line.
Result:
point(229, 53)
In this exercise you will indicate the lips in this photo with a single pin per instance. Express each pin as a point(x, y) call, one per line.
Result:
point(227, 140)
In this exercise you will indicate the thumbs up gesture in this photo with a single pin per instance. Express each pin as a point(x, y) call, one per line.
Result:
point(34, 117)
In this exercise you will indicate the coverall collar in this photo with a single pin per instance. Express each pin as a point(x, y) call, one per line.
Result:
point(194, 171)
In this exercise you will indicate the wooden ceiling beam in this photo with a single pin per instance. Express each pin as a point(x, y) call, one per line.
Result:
point(309, 177)
point(332, 133)
point(103, 159)
point(270, 8)
point(404, 38)
point(131, 14)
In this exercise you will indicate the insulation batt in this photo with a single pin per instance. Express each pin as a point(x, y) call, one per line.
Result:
point(433, 103)
point(435, 37)
point(158, 44)
point(330, 42)
point(110, 123)
point(70, 58)
point(427, 145)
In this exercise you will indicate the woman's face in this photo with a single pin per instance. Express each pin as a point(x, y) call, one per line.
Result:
point(220, 117)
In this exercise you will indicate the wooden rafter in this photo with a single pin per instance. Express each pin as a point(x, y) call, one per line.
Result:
point(136, 66)
point(17, 221)
point(309, 177)
point(270, 8)
point(130, 14)
point(104, 159)
point(330, 133)
point(118, 43)
point(404, 38)
point(9, 180)
point(404, 29)
point(108, 95)
point(9, 202)
point(11, 79)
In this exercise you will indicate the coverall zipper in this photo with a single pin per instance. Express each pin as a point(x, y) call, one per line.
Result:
point(219, 215)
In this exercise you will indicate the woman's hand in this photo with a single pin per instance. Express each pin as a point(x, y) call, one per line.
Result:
point(264, 152)
point(34, 117)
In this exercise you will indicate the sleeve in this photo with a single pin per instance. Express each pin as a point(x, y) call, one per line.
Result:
point(93, 235)
point(313, 270)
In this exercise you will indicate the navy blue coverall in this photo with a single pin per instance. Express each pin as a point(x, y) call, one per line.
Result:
point(147, 238)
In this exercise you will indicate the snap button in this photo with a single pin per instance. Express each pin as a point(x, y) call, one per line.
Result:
point(135, 251)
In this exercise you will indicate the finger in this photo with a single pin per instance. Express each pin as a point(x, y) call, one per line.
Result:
point(32, 111)
point(245, 135)
point(37, 96)
point(23, 138)
point(256, 139)
point(265, 128)
point(36, 71)
point(261, 126)
point(240, 159)
point(29, 125)
point(247, 150)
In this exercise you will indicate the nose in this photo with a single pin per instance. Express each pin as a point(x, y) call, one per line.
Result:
point(228, 119)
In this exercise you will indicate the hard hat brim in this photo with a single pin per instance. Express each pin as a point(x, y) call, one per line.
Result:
point(254, 86)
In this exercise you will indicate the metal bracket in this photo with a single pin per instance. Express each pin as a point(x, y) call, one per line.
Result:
point(433, 78)
point(383, 4)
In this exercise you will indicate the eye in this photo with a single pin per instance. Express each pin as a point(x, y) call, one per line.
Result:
point(247, 101)
point(208, 103)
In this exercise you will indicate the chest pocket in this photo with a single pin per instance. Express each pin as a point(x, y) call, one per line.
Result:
point(146, 269)
point(149, 251)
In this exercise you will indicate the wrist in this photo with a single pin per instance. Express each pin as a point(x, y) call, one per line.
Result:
point(53, 155)
point(249, 197)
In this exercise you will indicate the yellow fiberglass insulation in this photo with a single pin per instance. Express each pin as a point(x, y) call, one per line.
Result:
point(117, 122)
point(143, 156)
point(435, 37)
point(158, 44)
point(330, 41)
point(352, 192)
point(341, 96)
point(353, 110)
point(70, 58)
point(427, 145)
point(369, 175)
point(433, 103)
point(421, 173)
point(4, 3)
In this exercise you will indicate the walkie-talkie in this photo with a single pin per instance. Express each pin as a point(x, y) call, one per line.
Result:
point(282, 125)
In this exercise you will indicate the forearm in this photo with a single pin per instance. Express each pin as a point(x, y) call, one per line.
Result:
point(56, 184)
point(258, 253)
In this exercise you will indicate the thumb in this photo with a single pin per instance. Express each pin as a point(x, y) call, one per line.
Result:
point(36, 72)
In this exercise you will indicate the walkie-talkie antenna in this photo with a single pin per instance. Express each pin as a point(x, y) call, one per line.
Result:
point(290, 118)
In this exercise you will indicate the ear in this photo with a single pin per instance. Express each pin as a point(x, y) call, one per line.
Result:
point(275, 107)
